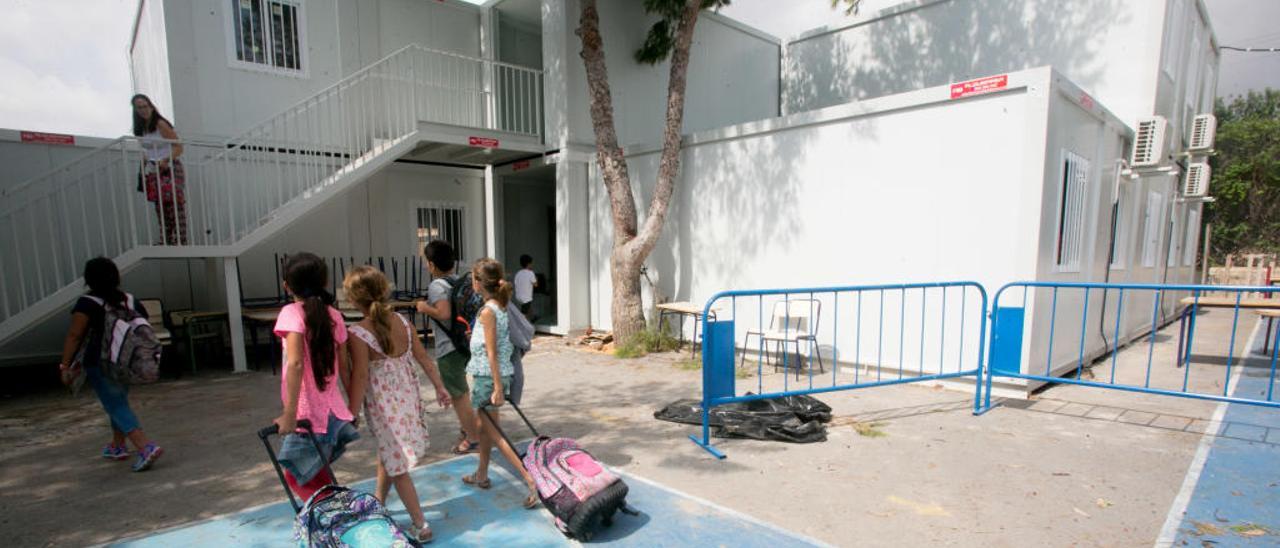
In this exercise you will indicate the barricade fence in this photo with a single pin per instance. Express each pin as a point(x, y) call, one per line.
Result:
point(1069, 333)
point(789, 342)
point(772, 343)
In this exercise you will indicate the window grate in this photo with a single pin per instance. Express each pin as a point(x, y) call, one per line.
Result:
point(266, 33)
point(1151, 228)
point(1193, 238)
point(442, 222)
point(1071, 212)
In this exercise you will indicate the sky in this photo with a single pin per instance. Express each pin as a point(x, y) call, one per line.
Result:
point(65, 68)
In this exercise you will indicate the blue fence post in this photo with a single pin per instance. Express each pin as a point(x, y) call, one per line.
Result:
point(717, 374)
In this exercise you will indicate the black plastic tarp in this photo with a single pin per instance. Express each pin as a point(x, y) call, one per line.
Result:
point(794, 419)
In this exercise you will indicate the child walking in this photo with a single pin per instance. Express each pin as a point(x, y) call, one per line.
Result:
point(383, 356)
point(492, 371)
point(84, 338)
point(314, 340)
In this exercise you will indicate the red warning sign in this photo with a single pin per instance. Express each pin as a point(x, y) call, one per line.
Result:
point(487, 142)
point(48, 138)
point(979, 86)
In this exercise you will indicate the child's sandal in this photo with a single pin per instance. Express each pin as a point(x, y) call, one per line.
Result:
point(464, 447)
point(423, 534)
point(480, 483)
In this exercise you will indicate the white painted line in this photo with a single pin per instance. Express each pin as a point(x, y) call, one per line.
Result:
point(729, 511)
point(1169, 532)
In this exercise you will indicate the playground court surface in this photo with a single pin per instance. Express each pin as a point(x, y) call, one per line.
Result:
point(1073, 466)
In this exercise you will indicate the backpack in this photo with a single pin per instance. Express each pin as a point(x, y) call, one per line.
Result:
point(579, 491)
point(336, 516)
point(130, 349)
point(465, 304)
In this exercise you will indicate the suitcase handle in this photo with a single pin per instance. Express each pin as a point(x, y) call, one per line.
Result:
point(485, 413)
point(265, 434)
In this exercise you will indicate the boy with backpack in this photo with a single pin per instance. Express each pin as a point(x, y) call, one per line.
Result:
point(451, 357)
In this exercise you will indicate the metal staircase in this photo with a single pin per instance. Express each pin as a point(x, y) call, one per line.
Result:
point(242, 191)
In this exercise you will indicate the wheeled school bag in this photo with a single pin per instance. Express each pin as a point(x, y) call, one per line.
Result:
point(580, 492)
point(335, 516)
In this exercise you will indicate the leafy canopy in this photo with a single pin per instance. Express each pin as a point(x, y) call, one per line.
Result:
point(1246, 176)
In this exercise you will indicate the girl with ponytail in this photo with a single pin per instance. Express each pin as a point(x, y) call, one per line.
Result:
point(384, 355)
point(492, 371)
point(314, 340)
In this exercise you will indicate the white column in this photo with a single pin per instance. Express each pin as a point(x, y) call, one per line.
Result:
point(491, 210)
point(573, 251)
point(234, 321)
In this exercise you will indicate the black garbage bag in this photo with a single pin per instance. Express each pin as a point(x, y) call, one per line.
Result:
point(794, 419)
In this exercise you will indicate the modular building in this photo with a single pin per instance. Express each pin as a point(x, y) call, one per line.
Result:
point(929, 140)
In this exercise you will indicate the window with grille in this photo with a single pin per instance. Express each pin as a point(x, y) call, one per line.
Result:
point(1175, 237)
point(267, 34)
point(1193, 238)
point(1151, 222)
point(1071, 212)
point(1125, 214)
point(442, 222)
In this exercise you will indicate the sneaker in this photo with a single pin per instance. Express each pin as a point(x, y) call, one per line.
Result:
point(115, 452)
point(147, 456)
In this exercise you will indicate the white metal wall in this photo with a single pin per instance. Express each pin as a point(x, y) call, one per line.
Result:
point(733, 74)
point(906, 188)
point(1110, 49)
point(214, 99)
point(149, 56)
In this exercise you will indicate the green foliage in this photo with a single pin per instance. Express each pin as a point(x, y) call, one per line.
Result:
point(662, 35)
point(646, 342)
point(1246, 176)
point(850, 6)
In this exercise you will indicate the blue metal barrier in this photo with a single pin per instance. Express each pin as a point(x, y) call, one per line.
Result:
point(1103, 332)
point(796, 318)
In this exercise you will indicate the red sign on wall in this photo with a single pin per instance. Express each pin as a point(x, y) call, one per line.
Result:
point(522, 164)
point(486, 142)
point(48, 138)
point(979, 86)
point(1086, 101)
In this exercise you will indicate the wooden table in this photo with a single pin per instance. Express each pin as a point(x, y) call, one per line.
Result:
point(1265, 307)
point(683, 309)
point(1271, 316)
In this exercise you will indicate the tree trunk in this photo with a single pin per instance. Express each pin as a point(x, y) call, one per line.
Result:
point(631, 246)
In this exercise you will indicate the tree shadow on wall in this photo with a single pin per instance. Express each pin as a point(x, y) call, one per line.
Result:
point(947, 42)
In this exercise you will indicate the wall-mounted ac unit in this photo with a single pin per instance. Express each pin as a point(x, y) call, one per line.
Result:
point(1148, 145)
point(1203, 129)
point(1196, 184)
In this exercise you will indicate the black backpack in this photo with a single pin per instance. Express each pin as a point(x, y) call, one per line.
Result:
point(465, 304)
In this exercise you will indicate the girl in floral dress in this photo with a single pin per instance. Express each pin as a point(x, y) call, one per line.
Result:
point(383, 355)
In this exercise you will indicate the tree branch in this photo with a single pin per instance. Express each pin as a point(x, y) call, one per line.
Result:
point(669, 166)
point(613, 165)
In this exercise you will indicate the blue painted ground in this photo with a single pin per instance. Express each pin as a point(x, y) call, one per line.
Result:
point(1237, 499)
point(462, 516)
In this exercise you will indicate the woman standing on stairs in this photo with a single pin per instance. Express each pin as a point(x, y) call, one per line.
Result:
point(162, 175)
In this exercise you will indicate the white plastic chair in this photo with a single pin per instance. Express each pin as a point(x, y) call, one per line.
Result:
point(793, 321)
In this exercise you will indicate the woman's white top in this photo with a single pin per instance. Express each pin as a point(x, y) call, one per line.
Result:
point(155, 147)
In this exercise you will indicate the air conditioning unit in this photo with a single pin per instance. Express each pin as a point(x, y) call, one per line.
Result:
point(1196, 185)
point(1203, 129)
point(1148, 146)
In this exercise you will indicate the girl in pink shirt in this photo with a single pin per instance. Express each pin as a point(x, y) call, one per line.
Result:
point(314, 339)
